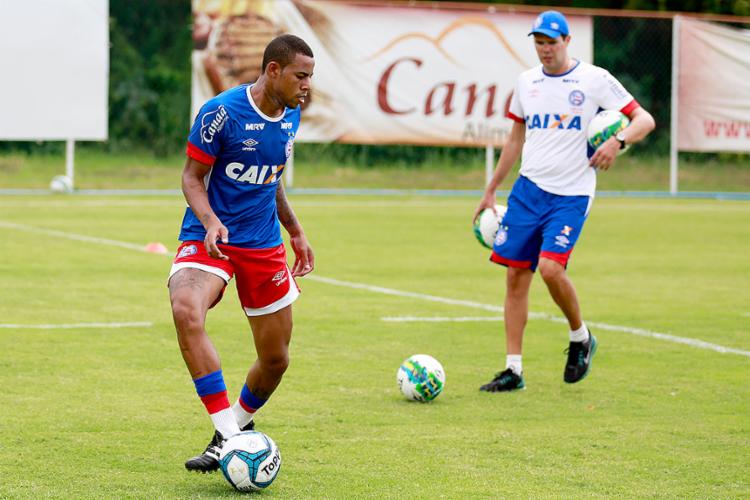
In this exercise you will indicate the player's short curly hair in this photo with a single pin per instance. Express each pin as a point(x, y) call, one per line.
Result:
point(283, 49)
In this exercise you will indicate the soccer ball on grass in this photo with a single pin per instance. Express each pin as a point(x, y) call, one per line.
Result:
point(250, 461)
point(421, 378)
point(61, 184)
point(487, 225)
point(605, 125)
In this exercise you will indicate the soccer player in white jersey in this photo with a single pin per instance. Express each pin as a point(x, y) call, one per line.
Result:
point(551, 107)
point(237, 149)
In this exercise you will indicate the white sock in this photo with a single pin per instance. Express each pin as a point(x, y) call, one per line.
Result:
point(242, 416)
point(513, 361)
point(225, 423)
point(580, 335)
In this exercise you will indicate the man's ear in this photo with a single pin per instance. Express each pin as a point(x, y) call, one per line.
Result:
point(273, 68)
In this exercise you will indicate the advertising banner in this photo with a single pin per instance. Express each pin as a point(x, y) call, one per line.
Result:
point(384, 73)
point(55, 60)
point(714, 93)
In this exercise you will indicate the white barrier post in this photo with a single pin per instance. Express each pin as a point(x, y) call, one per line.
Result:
point(489, 163)
point(673, 168)
point(69, 165)
point(289, 174)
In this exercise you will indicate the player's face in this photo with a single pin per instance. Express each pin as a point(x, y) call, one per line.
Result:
point(552, 52)
point(293, 84)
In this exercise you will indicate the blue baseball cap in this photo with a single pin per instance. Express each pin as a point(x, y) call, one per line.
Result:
point(550, 23)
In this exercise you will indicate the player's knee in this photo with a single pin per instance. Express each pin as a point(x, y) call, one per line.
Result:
point(517, 281)
point(276, 364)
point(187, 317)
point(550, 270)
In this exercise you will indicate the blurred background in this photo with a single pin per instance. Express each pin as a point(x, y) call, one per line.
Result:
point(149, 110)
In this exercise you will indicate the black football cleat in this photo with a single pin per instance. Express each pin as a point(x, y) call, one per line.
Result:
point(580, 355)
point(249, 427)
point(208, 461)
point(504, 381)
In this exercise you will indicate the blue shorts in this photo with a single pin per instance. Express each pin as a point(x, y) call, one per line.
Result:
point(538, 224)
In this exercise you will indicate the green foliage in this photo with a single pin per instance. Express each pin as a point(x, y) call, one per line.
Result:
point(637, 52)
point(149, 76)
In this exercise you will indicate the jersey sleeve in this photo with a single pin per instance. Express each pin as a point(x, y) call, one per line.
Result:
point(612, 95)
point(515, 110)
point(207, 133)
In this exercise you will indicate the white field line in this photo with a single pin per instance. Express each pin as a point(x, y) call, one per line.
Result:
point(439, 319)
point(75, 326)
point(399, 293)
point(420, 296)
point(532, 315)
point(73, 236)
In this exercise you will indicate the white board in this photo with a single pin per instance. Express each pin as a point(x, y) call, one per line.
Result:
point(54, 57)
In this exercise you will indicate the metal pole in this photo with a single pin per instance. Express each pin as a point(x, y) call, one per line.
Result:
point(673, 167)
point(489, 163)
point(69, 165)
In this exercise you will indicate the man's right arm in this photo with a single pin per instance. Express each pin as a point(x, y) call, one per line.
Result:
point(508, 157)
point(194, 189)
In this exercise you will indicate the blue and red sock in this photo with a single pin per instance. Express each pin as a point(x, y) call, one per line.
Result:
point(213, 392)
point(246, 406)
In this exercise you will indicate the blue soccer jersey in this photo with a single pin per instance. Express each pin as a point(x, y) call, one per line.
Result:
point(247, 150)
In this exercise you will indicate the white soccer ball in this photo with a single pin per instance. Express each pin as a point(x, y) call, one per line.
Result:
point(421, 378)
point(61, 184)
point(250, 461)
point(487, 225)
point(605, 125)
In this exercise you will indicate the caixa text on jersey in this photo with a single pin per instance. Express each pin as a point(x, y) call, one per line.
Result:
point(253, 174)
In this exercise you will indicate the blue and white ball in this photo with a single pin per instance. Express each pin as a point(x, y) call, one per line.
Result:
point(250, 461)
point(421, 378)
point(605, 125)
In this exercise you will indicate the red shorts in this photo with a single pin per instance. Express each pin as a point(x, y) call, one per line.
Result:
point(264, 281)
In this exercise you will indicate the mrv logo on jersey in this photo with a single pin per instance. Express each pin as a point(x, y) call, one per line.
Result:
point(254, 174)
point(552, 120)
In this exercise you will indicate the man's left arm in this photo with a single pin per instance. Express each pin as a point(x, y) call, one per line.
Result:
point(304, 259)
point(641, 124)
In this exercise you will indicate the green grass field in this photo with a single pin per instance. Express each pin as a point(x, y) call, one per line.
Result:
point(111, 412)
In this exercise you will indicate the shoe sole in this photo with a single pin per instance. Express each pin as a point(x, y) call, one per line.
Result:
point(594, 345)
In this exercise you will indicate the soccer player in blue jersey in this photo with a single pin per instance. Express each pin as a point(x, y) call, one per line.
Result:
point(237, 149)
point(551, 107)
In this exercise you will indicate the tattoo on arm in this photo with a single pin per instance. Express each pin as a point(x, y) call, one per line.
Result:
point(286, 214)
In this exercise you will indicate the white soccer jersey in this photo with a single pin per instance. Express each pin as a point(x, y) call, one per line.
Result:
point(557, 110)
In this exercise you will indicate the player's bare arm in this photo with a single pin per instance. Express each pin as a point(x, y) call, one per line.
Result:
point(641, 124)
point(508, 157)
point(304, 259)
point(194, 189)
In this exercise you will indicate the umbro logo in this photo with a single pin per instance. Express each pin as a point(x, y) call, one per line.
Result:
point(250, 144)
point(279, 278)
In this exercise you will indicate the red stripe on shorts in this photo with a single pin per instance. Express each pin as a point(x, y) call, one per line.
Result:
point(562, 258)
point(523, 264)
